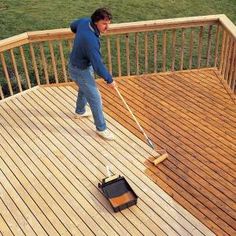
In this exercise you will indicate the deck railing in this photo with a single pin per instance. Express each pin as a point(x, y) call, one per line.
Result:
point(40, 57)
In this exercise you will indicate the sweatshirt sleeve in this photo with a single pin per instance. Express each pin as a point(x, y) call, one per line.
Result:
point(73, 26)
point(95, 57)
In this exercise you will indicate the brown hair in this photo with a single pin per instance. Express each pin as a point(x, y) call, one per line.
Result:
point(101, 14)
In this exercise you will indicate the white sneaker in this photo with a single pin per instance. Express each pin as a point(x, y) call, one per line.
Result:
point(106, 134)
point(87, 113)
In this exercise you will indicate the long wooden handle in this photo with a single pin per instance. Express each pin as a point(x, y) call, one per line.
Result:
point(140, 127)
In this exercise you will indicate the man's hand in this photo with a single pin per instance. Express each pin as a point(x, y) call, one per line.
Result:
point(112, 85)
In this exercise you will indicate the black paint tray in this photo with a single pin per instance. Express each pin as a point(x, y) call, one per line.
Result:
point(118, 192)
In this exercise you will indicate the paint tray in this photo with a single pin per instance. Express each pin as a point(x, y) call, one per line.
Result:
point(118, 192)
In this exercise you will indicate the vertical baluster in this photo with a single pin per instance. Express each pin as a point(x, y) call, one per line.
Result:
point(164, 52)
point(155, 51)
point(70, 48)
point(15, 69)
point(217, 45)
point(44, 62)
point(63, 61)
point(233, 65)
point(222, 51)
point(146, 51)
point(34, 64)
point(182, 49)
point(200, 47)
point(118, 55)
point(4, 66)
point(1, 93)
point(109, 54)
point(234, 75)
point(229, 58)
point(227, 40)
point(53, 61)
point(137, 52)
point(191, 48)
point(127, 54)
point(25, 66)
point(209, 45)
point(173, 50)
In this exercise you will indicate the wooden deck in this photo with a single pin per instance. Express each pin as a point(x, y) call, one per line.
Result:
point(192, 115)
point(50, 165)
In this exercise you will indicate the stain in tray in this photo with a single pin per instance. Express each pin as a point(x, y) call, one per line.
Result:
point(122, 199)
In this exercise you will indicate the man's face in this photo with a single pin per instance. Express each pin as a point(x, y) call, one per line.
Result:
point(102, 25)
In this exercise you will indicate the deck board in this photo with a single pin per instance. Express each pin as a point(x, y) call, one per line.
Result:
point(193, 116)
point(5, 230)
point(51, 165)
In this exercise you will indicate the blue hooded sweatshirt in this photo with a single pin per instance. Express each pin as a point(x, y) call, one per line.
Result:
point(86, 48)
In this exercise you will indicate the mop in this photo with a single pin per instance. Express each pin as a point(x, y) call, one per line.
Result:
point(163, 154)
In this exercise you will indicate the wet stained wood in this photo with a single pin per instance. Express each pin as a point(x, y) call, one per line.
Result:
point(193, 117)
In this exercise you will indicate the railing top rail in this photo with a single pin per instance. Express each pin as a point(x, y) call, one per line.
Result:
point(140, 26)
point(13, 41)
point(63, 33)
point(228, 25)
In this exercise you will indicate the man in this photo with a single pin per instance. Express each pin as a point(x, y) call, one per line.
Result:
point(86, 58)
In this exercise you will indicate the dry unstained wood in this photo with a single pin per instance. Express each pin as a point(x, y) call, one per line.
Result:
point(191, 48)
point(137, 52)
point(200, 37)
point(222, 50)
point(1, 93)
point(15, 70)
point(218, 31)
point(25, 67)
point(53, 61)
point(44, 62)
point(226, 54)
point(182, 49)
point(173, 51)
point(146, 51)
point(127, 53)
point(155, 42)
point(152, 25)
point(63, 61)
point(209, 46)
point(229, 59)
point(118, 55)
point(164, 51)
point(232, 74)
point(4, 66)
point(34, 63)
point(109, 54)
